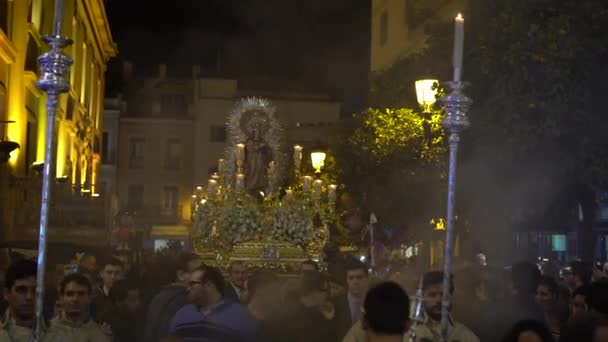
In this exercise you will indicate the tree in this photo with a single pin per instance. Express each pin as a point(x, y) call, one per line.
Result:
point(393, 161)
point(537, 134)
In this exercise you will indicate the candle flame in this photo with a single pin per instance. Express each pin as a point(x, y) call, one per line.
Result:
point(460, 17)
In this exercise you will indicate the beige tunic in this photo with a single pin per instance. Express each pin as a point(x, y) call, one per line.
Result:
point(63, 330)
point(429, 330)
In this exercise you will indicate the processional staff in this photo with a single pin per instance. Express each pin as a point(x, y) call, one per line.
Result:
point(54, 66)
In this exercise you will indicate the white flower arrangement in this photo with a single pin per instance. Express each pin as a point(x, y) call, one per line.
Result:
point(240, 220)
point(292, 222)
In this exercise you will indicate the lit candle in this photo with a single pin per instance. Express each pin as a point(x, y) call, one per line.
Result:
point(331, 193)
point(307, 180)
point(458, 46)
point(288, 194)
point(297, 153)
point(318, 188)
point(212, 187)
point(240, 181)
point(240, 153)
point(220, 166)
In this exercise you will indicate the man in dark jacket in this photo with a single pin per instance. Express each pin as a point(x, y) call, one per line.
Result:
point(348, 307)
point(171, 298)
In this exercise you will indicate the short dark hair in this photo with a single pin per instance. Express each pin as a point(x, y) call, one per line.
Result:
point(233, 263)
point(584, 291)
point(386, 309)
point(550, 284)
point(260, 279)
point(120, 290)
point(19, 270)
point(435, 278)
point(598, 297)
point(110, 261)
point(537, 327)
point(582, 270)
point(182, 262)
point(312, 263)
point(77, 278)
point(311, 281)
point(525, 277)
point(215, 277)
point(354, 265)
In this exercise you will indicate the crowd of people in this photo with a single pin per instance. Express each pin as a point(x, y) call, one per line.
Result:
point(179, 298)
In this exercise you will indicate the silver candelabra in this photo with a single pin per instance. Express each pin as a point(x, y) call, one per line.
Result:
point(54, 66)
point(457, 105)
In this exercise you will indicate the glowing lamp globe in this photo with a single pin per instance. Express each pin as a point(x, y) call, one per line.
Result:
point(425, 92)
point(318, 160)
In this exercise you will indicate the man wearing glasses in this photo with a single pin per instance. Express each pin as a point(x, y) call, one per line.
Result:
point(210, 317)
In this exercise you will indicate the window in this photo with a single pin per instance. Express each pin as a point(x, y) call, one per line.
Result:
point(383, 28)
point(173, 158)
point(135, 196)
point(217, 134)
point(173, 104)
point(136, 153)
point(169, 201)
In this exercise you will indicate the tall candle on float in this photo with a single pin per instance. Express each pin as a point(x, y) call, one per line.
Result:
point(212, 187)
point(307, 183)
point(297, 159)
point(239, 151)
point(240, 181)
point(331, 193)
point(220, 166)
point(318, 188)
point(458, 47)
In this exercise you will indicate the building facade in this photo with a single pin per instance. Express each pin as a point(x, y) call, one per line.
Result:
point(400, 27)
point(173, 130)
point(23, 113)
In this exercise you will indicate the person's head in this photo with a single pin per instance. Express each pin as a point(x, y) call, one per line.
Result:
point(598, 298)
point(237, 272)
point(313, 289)
point(386, 310)
point(126, 295)
point(529, 331)
point(206, 286)
point(263, 287)
point(577, 274)
point(110, 271)
point(547, 292)
point(579, 303)
point(356, 279)
point(185, 264)
point(600, 331)
point(432, 291)
point(124, 258)
point(75, 296)
point(309, 265)
point(525, 277)
point(88, 263)
point(20, 289)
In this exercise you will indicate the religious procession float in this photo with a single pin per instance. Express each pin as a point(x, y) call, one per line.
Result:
point(253, 210)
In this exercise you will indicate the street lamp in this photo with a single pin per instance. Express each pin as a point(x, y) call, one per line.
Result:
point(318, 160)
point(426, 90)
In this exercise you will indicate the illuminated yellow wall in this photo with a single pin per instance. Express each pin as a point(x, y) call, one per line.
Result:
point(93, 47)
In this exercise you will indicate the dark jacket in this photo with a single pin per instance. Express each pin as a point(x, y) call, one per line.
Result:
point(343, 319)
point(162, 309)
point(308, 324)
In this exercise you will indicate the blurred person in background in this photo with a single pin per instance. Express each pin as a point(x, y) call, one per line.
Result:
point(125, 318)
point(110, 271)
point(529, 331)
point(237, 274)
point(348, 306)
point(386, 313)
point(547, 296)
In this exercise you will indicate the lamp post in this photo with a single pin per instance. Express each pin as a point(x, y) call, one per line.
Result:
point(317, 158)
point(425, 93)
point(456, 104)
point(54, 66)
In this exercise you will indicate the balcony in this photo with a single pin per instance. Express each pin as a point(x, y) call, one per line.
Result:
point(73, 217)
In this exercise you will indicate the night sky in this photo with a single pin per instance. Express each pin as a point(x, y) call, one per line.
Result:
point(315, 45)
